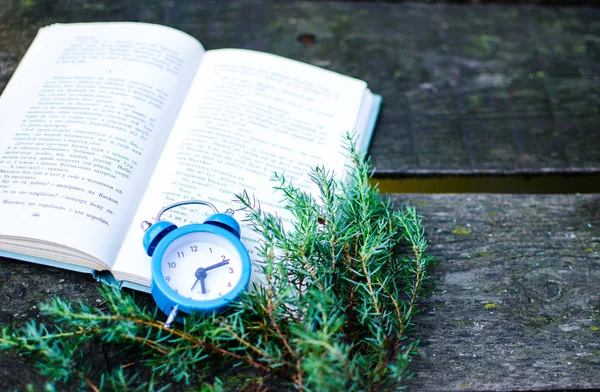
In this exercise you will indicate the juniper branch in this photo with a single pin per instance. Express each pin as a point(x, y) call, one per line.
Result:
point(342, 284)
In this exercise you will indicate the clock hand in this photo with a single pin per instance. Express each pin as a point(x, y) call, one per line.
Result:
point(196, 282)
point(202, 286)
point(222, 263)
point(200, 276)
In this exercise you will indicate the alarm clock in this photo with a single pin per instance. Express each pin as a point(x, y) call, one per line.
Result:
point(196, 267)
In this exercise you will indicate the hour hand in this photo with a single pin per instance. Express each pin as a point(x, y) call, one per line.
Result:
point(200, 276)
point(202, 286)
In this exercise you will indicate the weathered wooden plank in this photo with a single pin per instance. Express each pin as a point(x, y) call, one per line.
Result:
point(23, 287)
point(516, 304)
point(467, 89)
point(517, 298)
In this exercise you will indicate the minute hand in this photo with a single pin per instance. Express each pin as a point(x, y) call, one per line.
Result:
point(222, 263)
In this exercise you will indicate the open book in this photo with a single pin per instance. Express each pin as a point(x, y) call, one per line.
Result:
point(103, 124)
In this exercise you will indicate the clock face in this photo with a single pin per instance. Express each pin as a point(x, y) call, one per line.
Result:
point(201, 266)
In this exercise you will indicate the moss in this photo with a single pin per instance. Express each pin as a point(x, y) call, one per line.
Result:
point(342, 26)
point(535, 323)
point(490, 306)
point(459, 230)
point(473, 103)
point(486, 43)
point(95, 7)
point(544, 51)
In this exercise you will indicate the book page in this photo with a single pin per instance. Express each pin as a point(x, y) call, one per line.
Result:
point(247, 115)
point(82, 123)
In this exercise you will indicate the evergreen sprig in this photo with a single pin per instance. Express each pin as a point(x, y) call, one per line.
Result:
point(333, 312)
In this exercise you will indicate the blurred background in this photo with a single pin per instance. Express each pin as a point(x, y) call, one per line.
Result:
point(478, 96)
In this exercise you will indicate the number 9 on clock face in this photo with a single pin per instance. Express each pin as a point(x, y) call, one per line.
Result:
point(201, 266)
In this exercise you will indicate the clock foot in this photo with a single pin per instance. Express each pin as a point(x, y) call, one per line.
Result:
point(172, 316)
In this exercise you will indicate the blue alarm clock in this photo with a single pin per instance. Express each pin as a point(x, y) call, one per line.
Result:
point(196, 267)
